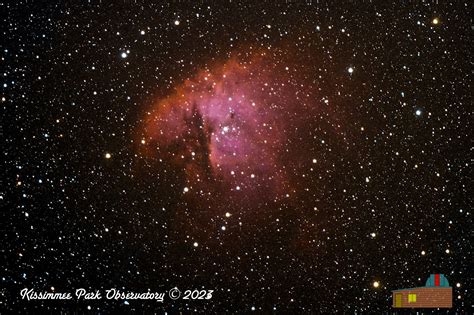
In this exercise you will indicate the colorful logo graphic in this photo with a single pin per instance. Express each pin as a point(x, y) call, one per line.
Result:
point(435, 294)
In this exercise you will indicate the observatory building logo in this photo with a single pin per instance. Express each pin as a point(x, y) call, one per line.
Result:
point(435, 294)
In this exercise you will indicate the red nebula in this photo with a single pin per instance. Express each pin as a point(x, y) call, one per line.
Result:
point(237, 131)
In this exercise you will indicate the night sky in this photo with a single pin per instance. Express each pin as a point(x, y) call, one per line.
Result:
point(292, 157)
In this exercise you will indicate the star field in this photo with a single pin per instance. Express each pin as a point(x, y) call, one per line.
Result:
point(293, 157)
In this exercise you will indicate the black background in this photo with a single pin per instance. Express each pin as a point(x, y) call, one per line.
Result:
point(56, 130)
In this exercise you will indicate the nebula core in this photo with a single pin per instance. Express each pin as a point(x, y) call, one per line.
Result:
point(234, 129)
